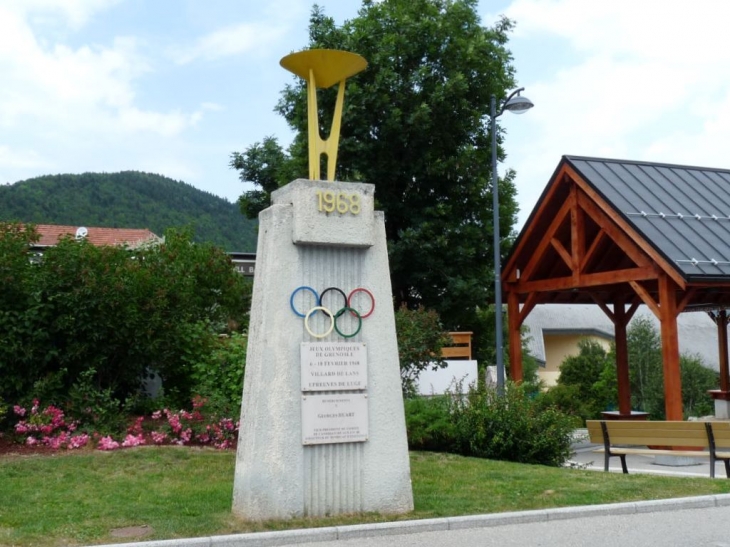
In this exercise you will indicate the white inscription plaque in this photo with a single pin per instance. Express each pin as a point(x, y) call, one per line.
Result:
point(334, 366)
point(336, 418)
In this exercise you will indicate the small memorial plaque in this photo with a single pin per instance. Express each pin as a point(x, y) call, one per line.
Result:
point(337, 418)
point(334, 366)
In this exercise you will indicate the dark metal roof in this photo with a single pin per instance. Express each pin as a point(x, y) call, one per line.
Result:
point(684, 212)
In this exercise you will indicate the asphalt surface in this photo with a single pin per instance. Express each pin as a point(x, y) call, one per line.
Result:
point(697, 521)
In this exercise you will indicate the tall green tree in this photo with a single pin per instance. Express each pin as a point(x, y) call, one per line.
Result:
point(415, 124)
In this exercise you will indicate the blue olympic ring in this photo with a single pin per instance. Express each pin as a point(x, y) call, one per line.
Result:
point(302, 288)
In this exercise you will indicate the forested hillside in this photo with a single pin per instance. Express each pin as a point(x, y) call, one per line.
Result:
point(129, 199)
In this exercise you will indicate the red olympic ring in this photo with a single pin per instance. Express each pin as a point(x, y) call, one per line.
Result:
point(372, 300)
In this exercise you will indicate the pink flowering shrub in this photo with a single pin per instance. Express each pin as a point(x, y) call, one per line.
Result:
point(185, 427)
point(48, 427)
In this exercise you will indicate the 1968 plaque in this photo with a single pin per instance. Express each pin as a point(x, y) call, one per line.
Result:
point(334, 366)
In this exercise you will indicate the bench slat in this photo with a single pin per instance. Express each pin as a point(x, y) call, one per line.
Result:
point(629, 437)
point(652, 452)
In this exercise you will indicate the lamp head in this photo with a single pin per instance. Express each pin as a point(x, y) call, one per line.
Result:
point(518, 104)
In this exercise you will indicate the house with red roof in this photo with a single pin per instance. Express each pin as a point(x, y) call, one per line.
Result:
point(50, 234)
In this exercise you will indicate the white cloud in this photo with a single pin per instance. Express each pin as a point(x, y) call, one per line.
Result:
point(74, 12)
point(11, 158)
point(636, 80)
point(232, 40)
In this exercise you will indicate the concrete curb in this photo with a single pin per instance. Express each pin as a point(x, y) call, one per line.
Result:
point(332, 533)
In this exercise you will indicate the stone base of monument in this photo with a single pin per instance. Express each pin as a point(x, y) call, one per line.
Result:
point(322, 425)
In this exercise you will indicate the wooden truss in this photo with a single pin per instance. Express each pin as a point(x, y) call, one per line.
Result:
point(576, 248)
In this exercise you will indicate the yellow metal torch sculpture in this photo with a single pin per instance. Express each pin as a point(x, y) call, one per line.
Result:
point(323, 68)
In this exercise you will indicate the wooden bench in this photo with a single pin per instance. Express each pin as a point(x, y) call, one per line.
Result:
point(460, 348)
point(682, 439)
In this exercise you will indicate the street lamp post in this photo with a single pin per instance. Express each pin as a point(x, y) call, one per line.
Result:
point(518, 105)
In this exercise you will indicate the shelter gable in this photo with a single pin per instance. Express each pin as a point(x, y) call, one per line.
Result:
point(684, 212)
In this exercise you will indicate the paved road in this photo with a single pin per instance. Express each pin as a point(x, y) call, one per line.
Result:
point(694, 527)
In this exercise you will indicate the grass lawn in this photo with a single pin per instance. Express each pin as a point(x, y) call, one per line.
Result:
point(78, 498)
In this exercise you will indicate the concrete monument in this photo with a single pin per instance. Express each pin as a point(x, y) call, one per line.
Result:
point(322, 425)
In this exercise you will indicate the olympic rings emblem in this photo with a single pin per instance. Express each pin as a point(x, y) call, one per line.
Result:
point(347, 307)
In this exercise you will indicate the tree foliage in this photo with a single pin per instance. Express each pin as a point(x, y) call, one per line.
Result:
point(119, 313)
point(588, 384)
point(414, 124)
point(129, 199)
point(420, 340)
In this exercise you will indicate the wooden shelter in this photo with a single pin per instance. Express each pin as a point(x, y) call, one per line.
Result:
point(620, 234)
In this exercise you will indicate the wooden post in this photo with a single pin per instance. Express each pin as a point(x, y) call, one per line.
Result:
point(721, 320)
point(622, 358)
point(670, 348)
point(515, 338)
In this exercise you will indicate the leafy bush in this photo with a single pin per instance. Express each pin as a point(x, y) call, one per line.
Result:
point(95, 408)
point(510, 427)
point(568, 399)
point(483, 424)
point(429, 425)
point(647, 375)
point(697, 380)
point(420, 339)
point(116, 311)
point(587, 384)
point(219, 377)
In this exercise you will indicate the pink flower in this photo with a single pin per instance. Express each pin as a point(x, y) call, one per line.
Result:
point(21, 427)
point(136, 428)
point(107, 443)
point(185, 435)
point(157, 414)
point(56, 442)
point(31, 441)
point(174, 422)
point(19, 410)
point(133, 440)
point(78, 441)
point(159, 437)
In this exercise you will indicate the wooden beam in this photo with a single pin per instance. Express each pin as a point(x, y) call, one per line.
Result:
point(721, 321)
point(577, 233)
point(539, 252)
point(558, 180)
point(622, 358)
point(532, 300)
point(515, 337)
point(608, 225)
point(646, 297)
point(604, 307)
point(688, 296)
point(592, 249)
point(586, 280)
point(669, 268)
point(564, 254)
point(670, 348)
point(632, 309)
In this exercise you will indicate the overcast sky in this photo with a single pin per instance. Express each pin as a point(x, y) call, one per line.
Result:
point(174, 86)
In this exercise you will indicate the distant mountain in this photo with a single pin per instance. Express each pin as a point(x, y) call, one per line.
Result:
point(129, 199)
